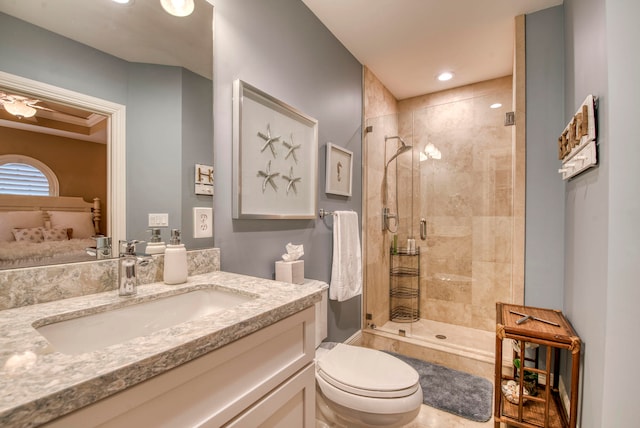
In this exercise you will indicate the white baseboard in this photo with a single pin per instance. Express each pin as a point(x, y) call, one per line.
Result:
point(564, 397)
point(542, 379)
point(566, 401)
point(355, 339)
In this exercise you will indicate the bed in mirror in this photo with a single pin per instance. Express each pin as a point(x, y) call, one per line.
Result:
point(128, 65)
point(39, 230)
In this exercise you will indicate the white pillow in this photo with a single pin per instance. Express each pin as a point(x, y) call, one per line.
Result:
point(10, 220)
point(29, 234)
point(55, 234)
point(80, 222)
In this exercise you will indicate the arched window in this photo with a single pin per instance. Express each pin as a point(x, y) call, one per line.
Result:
point(22, 175)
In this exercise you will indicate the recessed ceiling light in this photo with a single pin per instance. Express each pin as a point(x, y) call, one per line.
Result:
point(178, 7)
point(447, 75)
point(123, 1)
point(495, 105)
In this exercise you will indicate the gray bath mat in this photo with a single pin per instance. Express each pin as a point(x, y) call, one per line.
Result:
point(453, 391)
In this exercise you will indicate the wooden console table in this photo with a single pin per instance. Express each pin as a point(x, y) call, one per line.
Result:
point(547, 328)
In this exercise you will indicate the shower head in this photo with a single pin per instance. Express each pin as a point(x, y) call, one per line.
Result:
point(403, 148)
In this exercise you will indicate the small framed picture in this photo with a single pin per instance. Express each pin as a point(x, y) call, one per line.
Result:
point(339, 170)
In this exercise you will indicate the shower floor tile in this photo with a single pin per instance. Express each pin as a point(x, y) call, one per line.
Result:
point(456, 337)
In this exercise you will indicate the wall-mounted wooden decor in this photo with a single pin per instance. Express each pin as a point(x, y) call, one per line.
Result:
point(577, 144)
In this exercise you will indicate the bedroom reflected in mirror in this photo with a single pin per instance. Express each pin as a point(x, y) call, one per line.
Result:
point(56, 161)
point(53, 178)
point(53, 182)
point(85, 79)
point(42, 230)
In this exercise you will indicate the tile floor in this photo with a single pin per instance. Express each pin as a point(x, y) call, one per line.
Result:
point(430, 417)
point(460, 340)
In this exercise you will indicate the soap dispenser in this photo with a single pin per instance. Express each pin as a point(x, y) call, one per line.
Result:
point(175, 260)
point(155, 244)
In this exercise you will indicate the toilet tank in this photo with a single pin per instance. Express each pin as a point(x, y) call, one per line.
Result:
point(321, 310)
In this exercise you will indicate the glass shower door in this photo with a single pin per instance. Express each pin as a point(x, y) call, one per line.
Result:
point(391, 262)
point(465, 181)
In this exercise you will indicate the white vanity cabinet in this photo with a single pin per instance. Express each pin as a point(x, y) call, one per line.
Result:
point(263, 379)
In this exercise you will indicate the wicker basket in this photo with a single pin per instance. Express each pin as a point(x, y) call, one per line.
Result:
point(511, 391)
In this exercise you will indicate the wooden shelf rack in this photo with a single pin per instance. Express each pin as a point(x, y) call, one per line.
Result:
point(548, 329)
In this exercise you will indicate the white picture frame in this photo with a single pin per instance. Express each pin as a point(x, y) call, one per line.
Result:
point(339, 170)
point(275, 150)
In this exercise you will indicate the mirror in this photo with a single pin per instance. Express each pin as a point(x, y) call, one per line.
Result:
point(149, 72)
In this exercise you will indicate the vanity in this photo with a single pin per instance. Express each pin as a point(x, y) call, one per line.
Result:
point(247, 361)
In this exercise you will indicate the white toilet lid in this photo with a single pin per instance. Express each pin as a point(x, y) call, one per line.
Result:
point(367, 372)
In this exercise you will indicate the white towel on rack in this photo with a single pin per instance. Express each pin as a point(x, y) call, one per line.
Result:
point(346, 270)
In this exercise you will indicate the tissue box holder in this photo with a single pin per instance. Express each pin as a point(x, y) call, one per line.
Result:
point(290, 271)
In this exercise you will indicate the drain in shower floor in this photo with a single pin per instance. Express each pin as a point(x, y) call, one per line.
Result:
point(440, 336)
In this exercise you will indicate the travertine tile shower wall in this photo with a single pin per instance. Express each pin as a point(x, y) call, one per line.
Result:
point(466, 198)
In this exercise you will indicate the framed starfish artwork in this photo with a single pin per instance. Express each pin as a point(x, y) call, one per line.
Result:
point(275, 149)
point(339, 170)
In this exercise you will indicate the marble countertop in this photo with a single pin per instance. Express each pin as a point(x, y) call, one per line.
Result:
point(38, 384)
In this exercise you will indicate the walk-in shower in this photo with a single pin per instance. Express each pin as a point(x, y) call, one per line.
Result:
point(453, 163)
point(387, 215)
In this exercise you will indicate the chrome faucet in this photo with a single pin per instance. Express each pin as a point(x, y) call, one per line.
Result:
point(127, 268)
point(103, 247)
point(102, 250)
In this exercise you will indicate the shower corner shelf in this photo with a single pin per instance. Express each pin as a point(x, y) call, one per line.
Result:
point(404, 285)
point(404, 251)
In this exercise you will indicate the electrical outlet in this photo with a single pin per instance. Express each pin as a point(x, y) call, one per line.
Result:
point(202, 222)
point(159, 220)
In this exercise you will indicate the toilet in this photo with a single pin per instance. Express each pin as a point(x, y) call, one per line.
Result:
point(361, 387)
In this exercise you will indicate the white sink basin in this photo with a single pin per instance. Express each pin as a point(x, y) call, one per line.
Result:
point(91, 332)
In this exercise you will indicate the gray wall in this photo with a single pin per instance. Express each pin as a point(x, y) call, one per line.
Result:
point(281, 48)
point(162, 140)
point(620, 400)
point(544, 240)
point(586, 200)
point(153, 147)
point(163, 153)
point(602, 208)
point(41, 55)
point(197, 129)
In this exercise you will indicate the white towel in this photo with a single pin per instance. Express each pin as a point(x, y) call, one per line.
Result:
point(346, 271)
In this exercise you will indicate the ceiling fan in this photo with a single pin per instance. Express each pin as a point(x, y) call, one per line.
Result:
point(20, 106)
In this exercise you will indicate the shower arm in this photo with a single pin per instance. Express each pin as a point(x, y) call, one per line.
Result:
point(386, 213)
point(403, 148)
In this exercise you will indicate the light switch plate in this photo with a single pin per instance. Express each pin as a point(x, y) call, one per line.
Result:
point(202, 222)
point(158, 220)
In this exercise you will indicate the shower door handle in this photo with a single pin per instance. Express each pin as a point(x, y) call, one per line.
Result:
point(423, 229)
